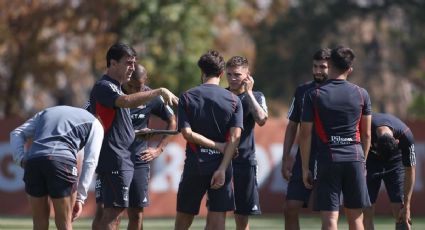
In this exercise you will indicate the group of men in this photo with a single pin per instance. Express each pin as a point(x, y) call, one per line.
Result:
point(333, 115)
point(345, 150)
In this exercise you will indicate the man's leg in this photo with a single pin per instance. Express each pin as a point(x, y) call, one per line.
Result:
point(395, 208)
point(63, 211)
point(368, 214)
point(329, 220)
point(97, 217)
point(216, 220)
point(135, 218)
point(183, 221)
point(242, 222)
point(354, 218)
point(111, 218)
point(40, 210)
point(291, 211)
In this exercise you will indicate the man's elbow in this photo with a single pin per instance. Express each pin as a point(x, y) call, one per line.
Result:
point(262, 121)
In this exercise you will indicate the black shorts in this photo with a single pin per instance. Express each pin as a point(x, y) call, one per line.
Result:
point(247, 200)
point(336, 177)
point(193, 187)
point(53, 176)
point(296, 189)
point(112, 188)
point(139, 197)
point(393, 176)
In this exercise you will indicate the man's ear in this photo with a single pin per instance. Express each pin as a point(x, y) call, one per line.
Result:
point(350, 70)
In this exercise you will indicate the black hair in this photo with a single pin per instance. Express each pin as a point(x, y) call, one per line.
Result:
point(237, 61)
point(322, 54)
point(342, 58)
point(211, 63)
point(387, 146)
point(117, 51)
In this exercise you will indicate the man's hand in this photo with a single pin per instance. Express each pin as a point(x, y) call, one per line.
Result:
point(218, 179)
point(307, 179)
point(287, 165)
point(169, 97)
point(76, 211)
point(404, 217)
point(150, 154)
point(248, 83)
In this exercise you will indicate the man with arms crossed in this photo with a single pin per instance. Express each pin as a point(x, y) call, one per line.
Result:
point(210, 119)
point(50, 164)
point(391, 159)
point(341, 112)
point(111, 106)
point(142, 154)
point(297, 195)
point(245, 164)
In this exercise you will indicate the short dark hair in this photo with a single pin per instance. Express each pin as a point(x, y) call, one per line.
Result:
point(342, 58)
point(387, 146)
point(117, 51)
point(322, 54)
point(237, 61)
point(211, 63)
point(139, 72)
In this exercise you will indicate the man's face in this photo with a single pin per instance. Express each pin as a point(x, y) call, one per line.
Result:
point(235, 76)
point(135, 85)
point(320, 70)
point(125, 67)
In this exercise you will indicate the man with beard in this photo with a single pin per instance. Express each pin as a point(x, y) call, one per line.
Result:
point(297, 195)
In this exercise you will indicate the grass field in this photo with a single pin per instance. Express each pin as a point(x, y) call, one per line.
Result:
point(265, 222)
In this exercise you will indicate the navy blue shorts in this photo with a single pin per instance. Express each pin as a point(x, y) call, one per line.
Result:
point(296, 189)
point(336, 177)
point(139, 197)
point(112, 189)
point(53, 176)
point(247, 200)
point(193, 187)
point(392, 173)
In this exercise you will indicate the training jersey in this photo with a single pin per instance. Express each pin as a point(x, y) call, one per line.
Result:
point(210, 111)
point(140, 120)
point(336, 108)
point(119, 133)
point(246, 148)
point(295, 112)
point(401, 132)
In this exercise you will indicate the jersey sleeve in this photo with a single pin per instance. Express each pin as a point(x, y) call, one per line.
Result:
point(294, 113)
point(237, 117)
point(183, 112)
point(367, 105)
point(407, 146)
point(161, 110)
point(106, 93)
point(307, 110)
point(261, 99)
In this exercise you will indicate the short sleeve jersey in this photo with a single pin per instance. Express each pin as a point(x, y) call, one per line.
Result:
point(295, 112)
point(140, 120)
point(401, 132)
point(119, 133)
point(210, 111)
point(246, 148)
point(336, 109)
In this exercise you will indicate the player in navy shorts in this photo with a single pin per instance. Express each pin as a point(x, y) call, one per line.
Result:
point(341, 113)
point(254, 106)
point(210, 119)
point(50, 164)
point(111, 106)
point(142, 153)
point(391, 159)
point(297, 195)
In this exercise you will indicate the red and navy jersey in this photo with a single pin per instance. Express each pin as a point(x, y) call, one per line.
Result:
point(295, 112)
point(336, 108)
point(246, 148)
point(210, 111)
point(401, 132)
point(140, 120)
point(119, 132)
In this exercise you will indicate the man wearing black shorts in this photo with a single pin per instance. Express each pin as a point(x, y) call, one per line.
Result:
point(210, 119)
point(254, 106)
point(111, 106)
point(391, 159)
point(341, 112)
point(50, 164)
point(297, 195)
point(142, 154)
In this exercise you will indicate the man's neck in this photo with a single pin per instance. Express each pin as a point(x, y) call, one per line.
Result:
point(212, 80)
point(112, 75)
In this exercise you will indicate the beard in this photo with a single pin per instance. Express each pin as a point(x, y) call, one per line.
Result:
point(320, 78)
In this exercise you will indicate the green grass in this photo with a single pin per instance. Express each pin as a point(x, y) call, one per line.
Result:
point(265, 222)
